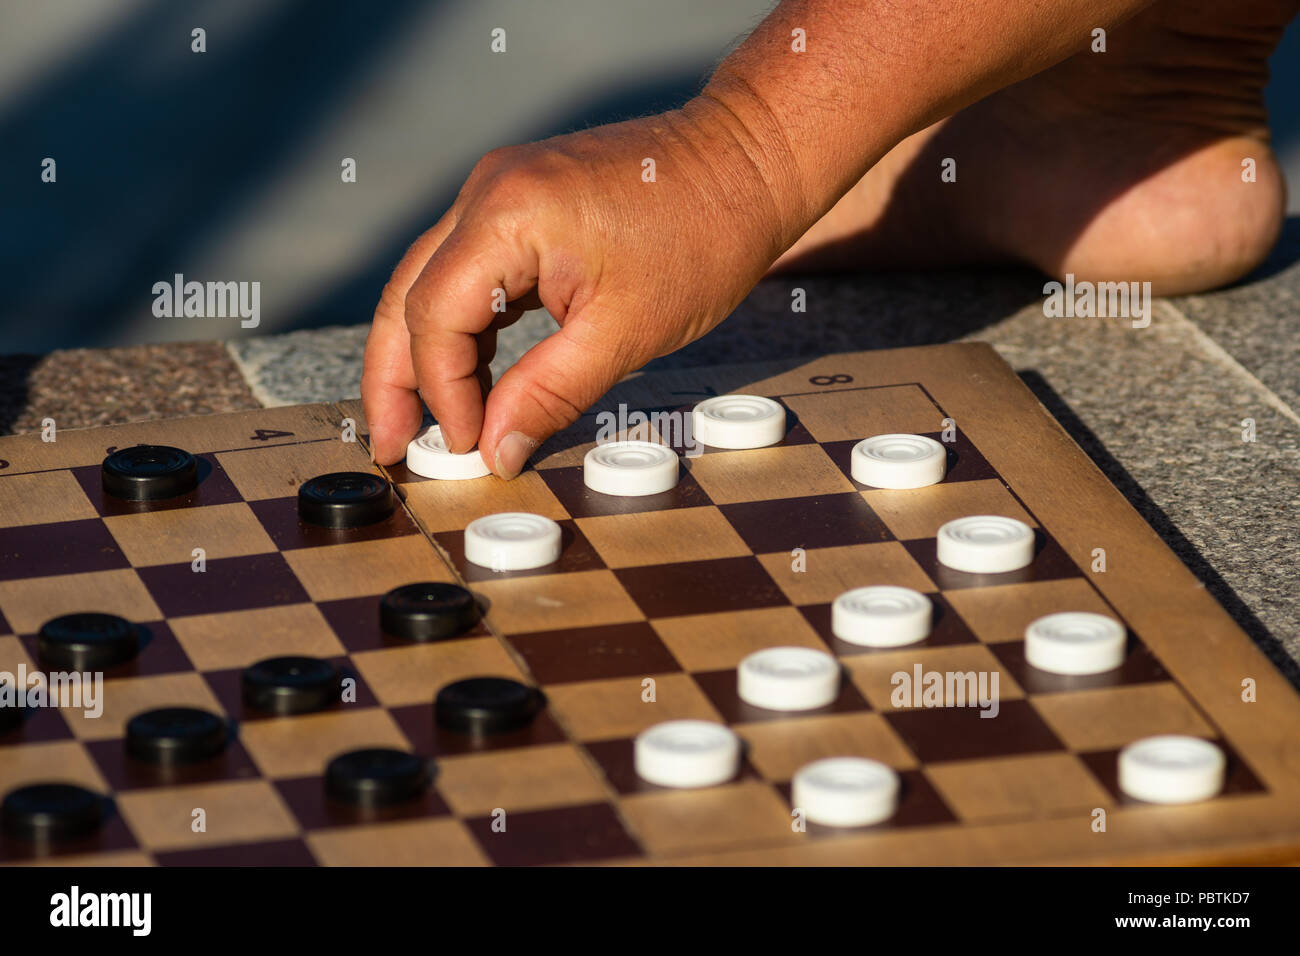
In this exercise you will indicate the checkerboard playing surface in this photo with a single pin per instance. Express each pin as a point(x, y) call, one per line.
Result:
point(644, 618)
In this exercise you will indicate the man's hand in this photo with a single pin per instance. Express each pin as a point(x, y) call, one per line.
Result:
point(634, 269)
point(638, 238)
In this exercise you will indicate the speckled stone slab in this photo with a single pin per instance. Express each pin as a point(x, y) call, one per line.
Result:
point(297, 368)
point(324, 365)
point(79, 388)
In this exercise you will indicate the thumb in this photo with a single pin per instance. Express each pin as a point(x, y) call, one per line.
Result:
point(547, 390)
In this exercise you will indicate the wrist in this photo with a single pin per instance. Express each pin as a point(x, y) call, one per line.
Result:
point(755, 147)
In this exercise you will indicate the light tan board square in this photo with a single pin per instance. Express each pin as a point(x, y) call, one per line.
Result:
point(547, 602)
point(919, 512)
point(441, 842)
point(862, 413)
point(30, 602)
point(822, 574)
point(663, 537)
point(778, 748)
point(741, 814)
point(239, 638)
point(413, 674)
point(42, 498)
point(302, 746)
point(366, 567)
point(233, 812)
point(64, 761)
point(607, 709)
point(1115, 716)
point(126, 697)
point(881, 675)
point(524, 778)
point(1002, 613)
point(170, 537)
point(710, 642)
point(451, 505)
point(792, 471)
point(278, 472)
point(1018, 787)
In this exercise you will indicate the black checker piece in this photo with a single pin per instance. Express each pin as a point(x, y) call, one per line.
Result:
point(150, 473)
point(87, 641)
point(291, 685)
point(487, 705)
point(170, 736)
point(377, 777)
point(52, 811)
point(345, 499)
point(428, 611)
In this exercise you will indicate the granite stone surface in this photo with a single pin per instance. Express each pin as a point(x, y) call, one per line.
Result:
point(296, 368)
point(325, 364)
point(80, 388)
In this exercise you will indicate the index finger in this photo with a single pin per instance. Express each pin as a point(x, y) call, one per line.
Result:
point(388, 382)
point(463, 288)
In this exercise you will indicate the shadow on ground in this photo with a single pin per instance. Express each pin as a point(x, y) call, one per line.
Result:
point(15, 373)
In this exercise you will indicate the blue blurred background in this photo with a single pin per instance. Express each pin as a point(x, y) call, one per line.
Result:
point(226, 165)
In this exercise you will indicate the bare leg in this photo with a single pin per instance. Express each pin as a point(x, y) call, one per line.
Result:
point(1118, 165)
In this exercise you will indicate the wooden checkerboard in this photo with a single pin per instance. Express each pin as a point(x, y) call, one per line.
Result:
point(671, 589)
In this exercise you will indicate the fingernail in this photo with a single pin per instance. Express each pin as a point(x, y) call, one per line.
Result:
point(512, 453)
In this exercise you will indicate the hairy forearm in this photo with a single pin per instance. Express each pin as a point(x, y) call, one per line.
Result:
point(874, 72)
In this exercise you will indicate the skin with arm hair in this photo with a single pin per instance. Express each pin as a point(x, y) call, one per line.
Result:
point(634, 266)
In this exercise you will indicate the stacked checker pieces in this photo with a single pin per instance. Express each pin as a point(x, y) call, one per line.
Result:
point(585, 673)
